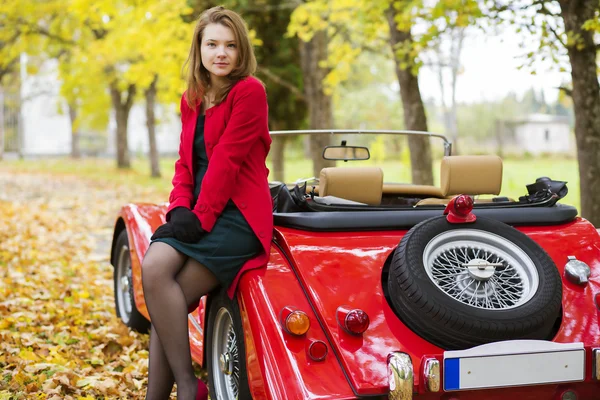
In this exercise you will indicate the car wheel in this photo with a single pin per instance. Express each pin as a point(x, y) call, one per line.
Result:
point(226, 354)
point(463, 285)
point(123, 283)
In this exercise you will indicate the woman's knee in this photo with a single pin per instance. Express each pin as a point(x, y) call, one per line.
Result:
point(152, 274)
point(160, 265)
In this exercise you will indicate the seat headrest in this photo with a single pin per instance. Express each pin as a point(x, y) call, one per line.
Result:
point(362, 184)
point(471, 175)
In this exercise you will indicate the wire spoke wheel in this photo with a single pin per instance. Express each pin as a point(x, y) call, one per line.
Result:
point(480, 269)
point(225, 354)
point(464, 285)
point(123, 286)
point(124, 283)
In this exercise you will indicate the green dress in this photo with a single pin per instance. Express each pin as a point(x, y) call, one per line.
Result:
point(231, 242)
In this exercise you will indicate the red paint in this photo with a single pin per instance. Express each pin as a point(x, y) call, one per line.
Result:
point(317, 272)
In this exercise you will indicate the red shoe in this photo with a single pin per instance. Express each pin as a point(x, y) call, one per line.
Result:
point(202, 393)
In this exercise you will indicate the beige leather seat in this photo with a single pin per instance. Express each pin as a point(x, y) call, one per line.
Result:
point(472, 175)
point(361, 184)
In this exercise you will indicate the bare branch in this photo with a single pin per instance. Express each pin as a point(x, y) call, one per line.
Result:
point(566, 90)
point(280, 81)
point(557, 36)
point(34, 28)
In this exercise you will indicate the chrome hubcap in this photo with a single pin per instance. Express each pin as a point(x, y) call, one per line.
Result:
point(225, 355)
point(480, 269)
point(225, 362)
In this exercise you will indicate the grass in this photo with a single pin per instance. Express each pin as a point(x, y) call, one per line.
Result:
point(516, 174)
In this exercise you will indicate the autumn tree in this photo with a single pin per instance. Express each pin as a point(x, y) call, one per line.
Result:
point(568, 30)
point(128, 48)
point(366, 25)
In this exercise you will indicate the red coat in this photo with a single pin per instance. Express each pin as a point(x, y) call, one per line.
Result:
point(236, 135)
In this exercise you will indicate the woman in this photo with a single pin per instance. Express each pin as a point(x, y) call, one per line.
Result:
point(219, 221)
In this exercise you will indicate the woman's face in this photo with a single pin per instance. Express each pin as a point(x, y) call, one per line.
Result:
point(219, 51)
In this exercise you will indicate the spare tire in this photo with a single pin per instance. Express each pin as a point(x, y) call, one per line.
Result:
point(463, 285)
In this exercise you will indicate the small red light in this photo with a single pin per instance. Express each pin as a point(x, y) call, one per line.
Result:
point(459, 209)
point(352, 320)
point(317, 350)
point(597, 300)
point(463, 205)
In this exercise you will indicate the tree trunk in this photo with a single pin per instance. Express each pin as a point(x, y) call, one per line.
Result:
point(75, 147)
point(320, 110)
point(412, 104)
point(150, 94)
point(122, 108)
point(456, 48)
point(586, 103)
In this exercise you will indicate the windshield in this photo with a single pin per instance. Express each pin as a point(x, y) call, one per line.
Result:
point(388, 150)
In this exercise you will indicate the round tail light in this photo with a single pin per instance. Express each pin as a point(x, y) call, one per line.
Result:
point(317, 350)
point(463, 205)
point(294, 321)
point(459, 209)
point(353, 320)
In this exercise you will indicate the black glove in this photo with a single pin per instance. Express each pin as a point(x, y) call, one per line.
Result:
point(186, 225)
point(163, 231)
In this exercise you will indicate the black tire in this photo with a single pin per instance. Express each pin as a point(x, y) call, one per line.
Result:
point(124, 300)
point(451, 324)
point(221, 307)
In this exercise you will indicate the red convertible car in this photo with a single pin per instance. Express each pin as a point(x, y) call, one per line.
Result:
point(397, 291)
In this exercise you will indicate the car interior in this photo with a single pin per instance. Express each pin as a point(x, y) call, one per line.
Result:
point(348, 189)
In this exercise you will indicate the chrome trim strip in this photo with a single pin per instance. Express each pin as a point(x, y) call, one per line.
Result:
point(195, 323)
point(400, 376)
point(596, 364)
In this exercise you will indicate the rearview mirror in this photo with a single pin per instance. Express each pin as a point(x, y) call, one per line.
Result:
point(346, 153)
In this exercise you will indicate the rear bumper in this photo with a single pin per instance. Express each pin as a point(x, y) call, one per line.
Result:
point(513, 369)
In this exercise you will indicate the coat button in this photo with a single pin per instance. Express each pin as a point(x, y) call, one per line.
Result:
point(261, 234)
point(242, 205)
point(209, 113)
point(202, 207)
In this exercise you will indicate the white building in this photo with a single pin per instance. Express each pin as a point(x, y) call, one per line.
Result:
point(543, 133)
point(45, 130)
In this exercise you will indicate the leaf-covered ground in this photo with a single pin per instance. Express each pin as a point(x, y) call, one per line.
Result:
point(59, 336)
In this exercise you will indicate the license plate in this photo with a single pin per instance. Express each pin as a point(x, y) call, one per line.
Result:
point(513, 363)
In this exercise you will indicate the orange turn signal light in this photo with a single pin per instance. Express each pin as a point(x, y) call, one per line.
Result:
point(294, 321)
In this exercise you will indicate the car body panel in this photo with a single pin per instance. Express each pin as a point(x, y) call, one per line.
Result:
point(345, 268)
point(319, 271)
point(277, 362)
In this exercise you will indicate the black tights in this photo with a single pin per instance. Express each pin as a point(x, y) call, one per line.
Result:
point(171, 282)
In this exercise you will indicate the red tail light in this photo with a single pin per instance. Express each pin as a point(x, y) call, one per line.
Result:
point(459, 209)
point(353, 320)
point(317, 350)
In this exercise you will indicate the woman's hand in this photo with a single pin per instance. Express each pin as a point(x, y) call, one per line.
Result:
point(185, 225)
point(163, 231)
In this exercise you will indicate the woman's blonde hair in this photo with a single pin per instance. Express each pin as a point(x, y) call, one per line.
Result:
point(198, 77)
